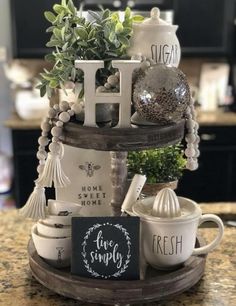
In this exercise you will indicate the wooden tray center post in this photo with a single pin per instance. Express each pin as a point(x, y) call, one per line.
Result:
point(118, 180)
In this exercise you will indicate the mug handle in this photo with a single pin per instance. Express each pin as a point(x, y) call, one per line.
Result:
point(212, 245)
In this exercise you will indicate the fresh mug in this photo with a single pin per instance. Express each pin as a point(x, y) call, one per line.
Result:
point(168, 242)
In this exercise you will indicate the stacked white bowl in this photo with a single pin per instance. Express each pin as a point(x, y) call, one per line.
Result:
point(52, 235)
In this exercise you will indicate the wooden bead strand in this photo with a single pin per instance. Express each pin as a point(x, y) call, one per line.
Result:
point(112, 84)
point(192, 138)
point(52, 172)
point(43, 140)
point(35, 206)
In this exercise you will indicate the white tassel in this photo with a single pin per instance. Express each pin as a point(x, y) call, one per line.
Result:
point(53, 173)
point(35, 207)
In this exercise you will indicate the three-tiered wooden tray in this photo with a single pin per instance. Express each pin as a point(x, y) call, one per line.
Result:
point(157, 284)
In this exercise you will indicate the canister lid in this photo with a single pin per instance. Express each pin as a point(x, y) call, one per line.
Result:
point(155, 18)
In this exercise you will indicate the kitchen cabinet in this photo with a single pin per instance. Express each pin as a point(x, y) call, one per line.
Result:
point(29, 27)
point(206, 27)
point(215, 179)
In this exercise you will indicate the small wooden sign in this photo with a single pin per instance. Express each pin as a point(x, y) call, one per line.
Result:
point(89, 174)
point(105, 247)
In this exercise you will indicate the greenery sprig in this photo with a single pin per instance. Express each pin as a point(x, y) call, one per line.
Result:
point(159, 165)
point(73, 37)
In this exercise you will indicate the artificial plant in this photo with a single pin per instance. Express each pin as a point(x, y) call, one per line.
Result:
point(73, 37)
point(159, 165)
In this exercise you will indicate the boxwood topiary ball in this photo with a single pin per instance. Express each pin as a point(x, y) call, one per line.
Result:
point(161, 95)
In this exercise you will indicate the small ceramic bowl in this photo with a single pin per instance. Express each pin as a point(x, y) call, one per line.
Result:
point(56, 251)
point(56, 231)
point(58, 221)
point(63, 208)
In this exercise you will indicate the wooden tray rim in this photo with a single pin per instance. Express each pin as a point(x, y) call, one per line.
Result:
point(122, 139)
point(112, 291)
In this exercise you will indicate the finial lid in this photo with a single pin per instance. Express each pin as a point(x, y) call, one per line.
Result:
point(155, 18)
point(166, 204)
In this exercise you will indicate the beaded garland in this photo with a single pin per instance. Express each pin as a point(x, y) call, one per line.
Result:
point(192, 138)
point(49, 168)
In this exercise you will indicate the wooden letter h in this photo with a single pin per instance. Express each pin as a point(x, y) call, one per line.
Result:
point(123, 98)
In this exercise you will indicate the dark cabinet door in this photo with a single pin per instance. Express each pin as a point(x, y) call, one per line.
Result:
point(29, 26)
point(215, 179)
point(212, 181)
point(233, 171)
point(205, 26)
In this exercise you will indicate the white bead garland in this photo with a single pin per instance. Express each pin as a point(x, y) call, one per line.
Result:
point(77, 108)
point(192, 139)
point(56, 107)
point(59, 123)
point(64, 117)
point(49, 168)
point(112, 84)
point(70, 112)
point(55, 139)
point(64, 106)
point(64, 111)
point(44, 134)
point(54, 147)
point(56, 131)
point(45, 126)
point(43, 141)
point(52, 113)
point(113, 80)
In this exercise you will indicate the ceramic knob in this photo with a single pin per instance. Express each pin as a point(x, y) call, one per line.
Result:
point(166, 204)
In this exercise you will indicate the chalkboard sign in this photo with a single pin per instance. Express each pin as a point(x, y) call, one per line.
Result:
point(105, 247)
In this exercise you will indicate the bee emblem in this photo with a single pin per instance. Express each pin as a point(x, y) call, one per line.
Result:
point(89, 168)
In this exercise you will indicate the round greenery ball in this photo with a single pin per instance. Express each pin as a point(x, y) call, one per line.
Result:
point(161, 95)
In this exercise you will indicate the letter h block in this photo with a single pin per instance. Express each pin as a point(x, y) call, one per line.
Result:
point(123, 98)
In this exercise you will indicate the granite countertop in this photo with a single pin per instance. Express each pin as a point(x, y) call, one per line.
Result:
point(204, 118)
point(15, 122)
point(18, 287)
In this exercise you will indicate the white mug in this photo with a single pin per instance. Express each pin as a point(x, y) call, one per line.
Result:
point(168, 242)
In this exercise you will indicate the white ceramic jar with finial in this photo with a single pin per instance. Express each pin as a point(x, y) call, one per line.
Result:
point(156, 39)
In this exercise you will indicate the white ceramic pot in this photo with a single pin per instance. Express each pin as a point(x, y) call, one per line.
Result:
point(54, 231)
point(56, 251)
point(156, 39)
point(168, 242)
point(63, 208)
point(30, 106)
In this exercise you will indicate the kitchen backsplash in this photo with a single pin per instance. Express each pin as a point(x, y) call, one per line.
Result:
point(190, 66)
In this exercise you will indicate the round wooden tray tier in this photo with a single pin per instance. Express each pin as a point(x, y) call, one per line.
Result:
point(156, 286)
point(122, 139)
